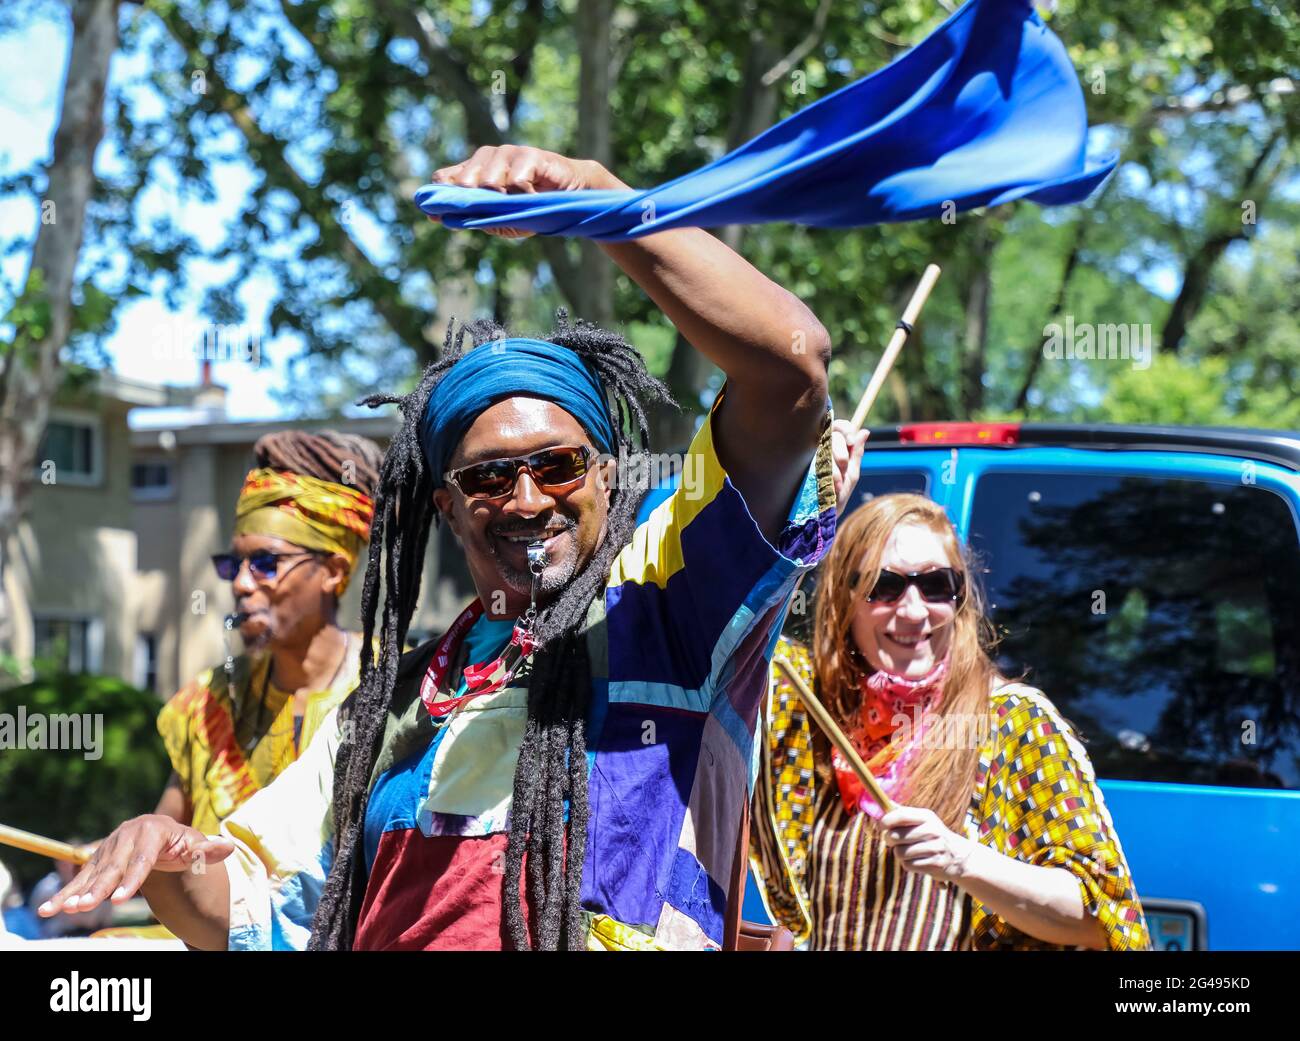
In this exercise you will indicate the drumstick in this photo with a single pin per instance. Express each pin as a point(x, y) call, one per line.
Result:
point(837, 737)
point(815, 708)
point(901, 331)
point(39, 844)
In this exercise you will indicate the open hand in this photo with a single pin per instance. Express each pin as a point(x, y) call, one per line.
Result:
point(124, 860)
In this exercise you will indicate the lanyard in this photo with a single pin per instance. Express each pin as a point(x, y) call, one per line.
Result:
point(490, 676)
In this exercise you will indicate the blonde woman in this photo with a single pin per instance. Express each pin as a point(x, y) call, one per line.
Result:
point(999, 839)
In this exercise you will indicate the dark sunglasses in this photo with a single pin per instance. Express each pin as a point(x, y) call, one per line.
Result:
point(553, 469)
point(263, 565)
point(936, 587)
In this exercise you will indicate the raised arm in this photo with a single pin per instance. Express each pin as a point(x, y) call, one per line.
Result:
point(770, 345)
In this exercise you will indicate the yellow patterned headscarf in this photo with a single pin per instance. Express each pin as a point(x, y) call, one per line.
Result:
point(306, 511)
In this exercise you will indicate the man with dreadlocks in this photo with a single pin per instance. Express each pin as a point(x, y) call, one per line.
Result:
point(567, 766)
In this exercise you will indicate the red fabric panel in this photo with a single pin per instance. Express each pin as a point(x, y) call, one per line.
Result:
point(435, 894)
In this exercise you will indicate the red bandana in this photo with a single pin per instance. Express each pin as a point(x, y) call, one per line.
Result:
point(886, 698)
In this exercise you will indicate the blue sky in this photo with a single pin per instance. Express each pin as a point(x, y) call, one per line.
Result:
point(151, 342)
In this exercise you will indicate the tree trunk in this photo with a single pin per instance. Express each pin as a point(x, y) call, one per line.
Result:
point(449, 75)
point(1053, 312)
point(902, 397)
point(928, 402)
point(30, 376)
point(1200, 265)
point(596, 285)
point(1191, 294)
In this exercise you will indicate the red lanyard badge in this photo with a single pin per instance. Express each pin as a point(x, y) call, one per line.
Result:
point(487, 677)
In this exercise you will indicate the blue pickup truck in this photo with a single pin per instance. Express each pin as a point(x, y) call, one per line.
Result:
point(1148, 580)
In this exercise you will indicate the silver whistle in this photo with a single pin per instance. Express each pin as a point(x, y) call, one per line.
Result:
point(231, 620)
point(536, 565)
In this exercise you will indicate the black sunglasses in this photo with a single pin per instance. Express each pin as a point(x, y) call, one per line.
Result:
point(939, 586)
point(553, 469)
point(263, 564)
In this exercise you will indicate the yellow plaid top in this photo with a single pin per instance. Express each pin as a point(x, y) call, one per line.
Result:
point(827, 876)
point(210, 728)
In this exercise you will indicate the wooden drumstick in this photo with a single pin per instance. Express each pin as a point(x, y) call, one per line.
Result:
point(20, 839)
point(837, 737)
point(901, 332)
point(815, 708)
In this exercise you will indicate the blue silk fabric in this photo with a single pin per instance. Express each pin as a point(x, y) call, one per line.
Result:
point(987, 109)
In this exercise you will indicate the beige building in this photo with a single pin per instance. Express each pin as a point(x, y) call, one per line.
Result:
point(71, 576)
point(112, 566)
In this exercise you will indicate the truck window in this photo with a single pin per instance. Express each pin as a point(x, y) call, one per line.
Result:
point(799, 623)
point(1161, 616)
point(882, 482)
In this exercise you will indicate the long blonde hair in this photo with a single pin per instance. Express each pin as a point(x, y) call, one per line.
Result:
point(943, 778)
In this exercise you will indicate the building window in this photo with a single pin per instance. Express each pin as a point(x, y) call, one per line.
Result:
point(146, 661)
point(69, 452)
point(73, 644)
point(151, 479)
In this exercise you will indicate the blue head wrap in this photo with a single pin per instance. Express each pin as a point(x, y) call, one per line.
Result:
point(506, 369)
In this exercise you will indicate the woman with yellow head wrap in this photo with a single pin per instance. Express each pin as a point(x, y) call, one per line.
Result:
point(301, 522)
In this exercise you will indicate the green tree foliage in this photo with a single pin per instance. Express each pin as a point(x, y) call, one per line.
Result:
point(60, 793)
point(341, 108)
point(1177, 391)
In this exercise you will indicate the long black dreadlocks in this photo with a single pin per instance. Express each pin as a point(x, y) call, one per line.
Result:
point(552, 758)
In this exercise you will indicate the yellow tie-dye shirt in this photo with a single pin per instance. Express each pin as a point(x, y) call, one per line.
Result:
point(224, 749)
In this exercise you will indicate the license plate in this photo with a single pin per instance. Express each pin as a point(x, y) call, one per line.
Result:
point(1174, 927)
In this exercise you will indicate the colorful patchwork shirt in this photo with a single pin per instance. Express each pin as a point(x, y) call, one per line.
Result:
point(679, 644)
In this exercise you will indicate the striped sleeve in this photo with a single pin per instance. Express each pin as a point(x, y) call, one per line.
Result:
point(1042, 805)
point(284, 844)
point(694, 599)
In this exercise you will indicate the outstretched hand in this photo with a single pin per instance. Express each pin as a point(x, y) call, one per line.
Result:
point(123, 861)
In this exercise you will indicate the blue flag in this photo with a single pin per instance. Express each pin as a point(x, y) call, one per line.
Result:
point(986, 109)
